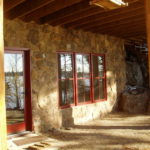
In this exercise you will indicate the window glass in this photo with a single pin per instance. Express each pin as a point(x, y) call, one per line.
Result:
point(98, 77)
point(98, 66)
point(66, 70)
point(66, 92)
point(80, 91)
point(66, 88)
point(79, 65)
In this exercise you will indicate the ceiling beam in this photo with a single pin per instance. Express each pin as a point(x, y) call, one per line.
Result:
point(26, 8)
point(81, 22)
point(78, 15)
point(130, 33)
point(9, 4)
point(135, 34)
point(79, 7)
point(130, 20)
point(49, 9)
point(114, 18)
point(126, 29)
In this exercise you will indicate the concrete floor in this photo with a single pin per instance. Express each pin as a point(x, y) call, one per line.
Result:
point(114, 132)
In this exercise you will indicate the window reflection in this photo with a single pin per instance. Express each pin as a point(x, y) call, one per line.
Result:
point(65, 66)
point(83, 66)
point(14, 83)
point(98, 66)
point(66, 88)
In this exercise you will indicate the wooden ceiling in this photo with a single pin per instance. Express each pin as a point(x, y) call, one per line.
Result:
point(126, 22)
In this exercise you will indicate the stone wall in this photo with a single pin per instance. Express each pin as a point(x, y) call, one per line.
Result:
point(44, 41)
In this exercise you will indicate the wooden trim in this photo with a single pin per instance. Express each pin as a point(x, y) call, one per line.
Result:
point(147, 6)
point(3, 133)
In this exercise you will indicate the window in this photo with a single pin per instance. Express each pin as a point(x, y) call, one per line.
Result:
point(99, 79)
point(82, 78)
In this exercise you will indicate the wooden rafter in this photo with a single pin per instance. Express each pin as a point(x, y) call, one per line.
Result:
point(81, 15)
point(26, 8)
point(76, 8)
point(122, 23)
point(93, 18)
point(50, 8)
point(125, 26)
point(115, 18)
point(78, 14)
point(9, 4)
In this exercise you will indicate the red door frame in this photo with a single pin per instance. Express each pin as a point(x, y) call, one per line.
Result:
point(27, 124)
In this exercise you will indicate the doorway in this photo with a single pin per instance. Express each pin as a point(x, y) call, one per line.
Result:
point(18, 90)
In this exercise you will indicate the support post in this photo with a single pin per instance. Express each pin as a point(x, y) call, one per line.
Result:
point(147, 7)
point(3, 134)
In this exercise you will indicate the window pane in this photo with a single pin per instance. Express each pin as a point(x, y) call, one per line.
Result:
point(80, 91)
point(82, 65)
point(79, 65)
point(14, 91)
point(66, 92)
point(84, 90)
point(96, 89)
point(101, 88)
point(87, 89)
point(65, 67)
point(86, 66)
point(98, 66)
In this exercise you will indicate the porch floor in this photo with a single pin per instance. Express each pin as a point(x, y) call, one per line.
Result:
point(114, 132)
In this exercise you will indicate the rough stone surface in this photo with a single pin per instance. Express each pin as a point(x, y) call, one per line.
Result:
point(134, 74)
point(44, 41)
point(135, 102)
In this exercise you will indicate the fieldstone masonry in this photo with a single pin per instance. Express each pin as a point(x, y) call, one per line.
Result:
point(44, 41)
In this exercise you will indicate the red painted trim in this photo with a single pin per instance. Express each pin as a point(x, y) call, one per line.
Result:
point(15, 128)
point(28, 105)
point(27, 124)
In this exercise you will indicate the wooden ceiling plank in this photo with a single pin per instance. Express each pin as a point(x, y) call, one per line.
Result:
point(131, 32)
point(26, 8)
point(137, 19)
point(112, 19)
point(140, 33)
point(9, 4)
point(49, 9)
point(125, 24)
point(93, 18)
point(83, 14)
point(79, 7)
point(127, 29)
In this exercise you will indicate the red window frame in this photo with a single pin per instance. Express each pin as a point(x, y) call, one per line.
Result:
point(100, 77)
point(59, 79)
point(83, 78)
point(75, 79)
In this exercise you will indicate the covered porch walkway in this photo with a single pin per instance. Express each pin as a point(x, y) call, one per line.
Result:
point(117, 131)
